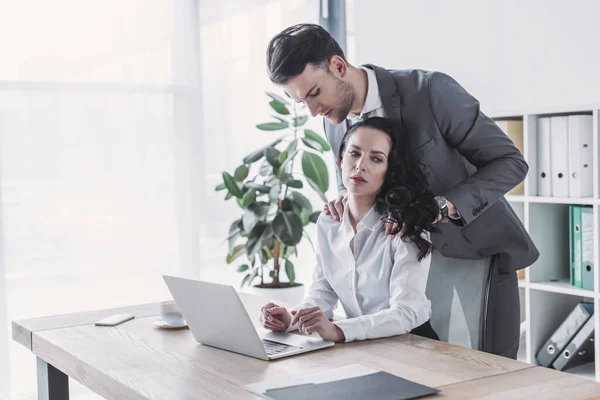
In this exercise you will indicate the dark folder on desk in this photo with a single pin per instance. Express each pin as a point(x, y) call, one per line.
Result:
point(379, 385)
point(580, 349)
point(565, 332)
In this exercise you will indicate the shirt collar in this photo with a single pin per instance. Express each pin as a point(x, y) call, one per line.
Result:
point(373, 100)
point(371, 221)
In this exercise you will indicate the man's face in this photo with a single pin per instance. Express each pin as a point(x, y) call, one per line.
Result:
point(324, 93)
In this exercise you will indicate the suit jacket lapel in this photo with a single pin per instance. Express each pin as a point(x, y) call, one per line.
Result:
point(388, 91)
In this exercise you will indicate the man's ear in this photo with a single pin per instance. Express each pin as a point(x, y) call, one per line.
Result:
point(338, 66)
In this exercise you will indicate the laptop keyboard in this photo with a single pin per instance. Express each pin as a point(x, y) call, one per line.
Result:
point(273, 348)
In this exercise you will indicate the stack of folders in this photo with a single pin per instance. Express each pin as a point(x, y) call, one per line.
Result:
point(350, 382)
point(581, 246)
point(572, 343)
point(564, 156)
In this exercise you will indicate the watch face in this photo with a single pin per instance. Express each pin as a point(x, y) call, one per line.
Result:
point(442, 202)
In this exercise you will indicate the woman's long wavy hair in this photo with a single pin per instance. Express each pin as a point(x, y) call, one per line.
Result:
point(404, 197)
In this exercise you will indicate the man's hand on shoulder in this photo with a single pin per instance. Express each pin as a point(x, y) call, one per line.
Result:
point(335, 208)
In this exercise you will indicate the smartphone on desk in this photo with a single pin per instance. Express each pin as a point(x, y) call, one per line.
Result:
point(114, 320)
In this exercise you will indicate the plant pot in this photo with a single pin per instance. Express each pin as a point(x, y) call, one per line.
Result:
point(285, 293)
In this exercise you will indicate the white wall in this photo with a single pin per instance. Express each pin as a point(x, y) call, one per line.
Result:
point(513, 55)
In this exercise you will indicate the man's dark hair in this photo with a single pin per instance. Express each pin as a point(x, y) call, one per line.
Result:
point(290, 51)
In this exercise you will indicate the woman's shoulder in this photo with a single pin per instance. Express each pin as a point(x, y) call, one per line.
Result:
point(326, 222)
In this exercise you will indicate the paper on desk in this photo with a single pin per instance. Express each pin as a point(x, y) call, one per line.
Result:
point(347, 371)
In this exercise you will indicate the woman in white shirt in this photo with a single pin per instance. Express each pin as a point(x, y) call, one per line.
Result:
point(379, 279)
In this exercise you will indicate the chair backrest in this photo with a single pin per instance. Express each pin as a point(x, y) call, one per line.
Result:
point(459, 293)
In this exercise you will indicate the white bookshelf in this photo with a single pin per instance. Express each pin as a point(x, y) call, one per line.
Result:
point(546, 293)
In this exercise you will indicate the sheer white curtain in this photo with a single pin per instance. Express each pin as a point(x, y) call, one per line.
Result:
point(116, 120)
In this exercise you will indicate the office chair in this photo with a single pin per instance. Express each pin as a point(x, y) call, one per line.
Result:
point(459, 291)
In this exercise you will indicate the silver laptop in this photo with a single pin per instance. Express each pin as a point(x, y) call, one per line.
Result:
point(217, 318)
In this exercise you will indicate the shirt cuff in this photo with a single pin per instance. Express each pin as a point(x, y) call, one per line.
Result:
point(352, 330)
point(455, 216)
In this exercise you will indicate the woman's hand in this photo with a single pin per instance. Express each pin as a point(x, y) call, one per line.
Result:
point(312, 319)
point(275, 318)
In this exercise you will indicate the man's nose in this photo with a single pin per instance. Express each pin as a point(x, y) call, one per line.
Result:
point(314, 110)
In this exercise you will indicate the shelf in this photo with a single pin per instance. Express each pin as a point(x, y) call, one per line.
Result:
point(515, 198)
point(562, 200)
point(562, 286)
point(586, 371)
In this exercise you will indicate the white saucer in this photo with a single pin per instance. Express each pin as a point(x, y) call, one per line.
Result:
point(159, 323)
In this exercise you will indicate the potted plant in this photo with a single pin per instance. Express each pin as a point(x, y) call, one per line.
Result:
point(274, 212)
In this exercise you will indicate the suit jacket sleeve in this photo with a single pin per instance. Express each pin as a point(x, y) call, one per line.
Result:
point(500, 165)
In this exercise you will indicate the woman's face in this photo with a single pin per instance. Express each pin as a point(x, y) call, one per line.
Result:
point(365, 161)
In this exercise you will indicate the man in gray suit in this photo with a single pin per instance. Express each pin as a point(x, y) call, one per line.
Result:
point(469, 162)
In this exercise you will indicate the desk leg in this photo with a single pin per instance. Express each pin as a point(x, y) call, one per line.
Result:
point(52, 383)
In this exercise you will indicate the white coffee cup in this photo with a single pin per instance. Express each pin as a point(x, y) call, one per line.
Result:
point(170, 313)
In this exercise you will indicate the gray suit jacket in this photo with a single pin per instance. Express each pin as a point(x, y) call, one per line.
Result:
point(465, 157)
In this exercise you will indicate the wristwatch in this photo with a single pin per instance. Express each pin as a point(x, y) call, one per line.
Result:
point(443, 206)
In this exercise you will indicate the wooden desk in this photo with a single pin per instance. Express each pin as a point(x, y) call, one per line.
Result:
point(136, 360)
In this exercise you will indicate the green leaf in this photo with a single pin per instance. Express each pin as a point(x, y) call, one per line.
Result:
point(250, 277)
point(288, 228)
point(239, 202)
point(289, 250)
point(315, 217)
point(232, 185)
point(317, 138)
point(272, 126)
point(257, 237)
point(314, 169)
point(258, 154)
point(237, 251)
point(305, 217)
point(271, 153)
point(292, 146)
point(249, 198)
point(265, 169)
point(234, 234)
point(220, 186)
point(253, 214)
point(282, 157)
point(279, 107)
point(289, 158)
point(241, 173)
point(258, 187)
point(287, 205)
point(228, 195)
point(264, 255)
point(289, 271)
point(312, 144)
point(242, 268)
point(299, 121)
point(301, 201)
point(317, 189)
point(294, 183)
point(277, 97)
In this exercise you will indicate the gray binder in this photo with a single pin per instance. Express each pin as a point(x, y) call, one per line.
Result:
point(580, 349)
point(565, 332)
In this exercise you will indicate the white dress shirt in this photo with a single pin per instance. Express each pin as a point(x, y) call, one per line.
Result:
point(373, 106)
point(381, 286)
